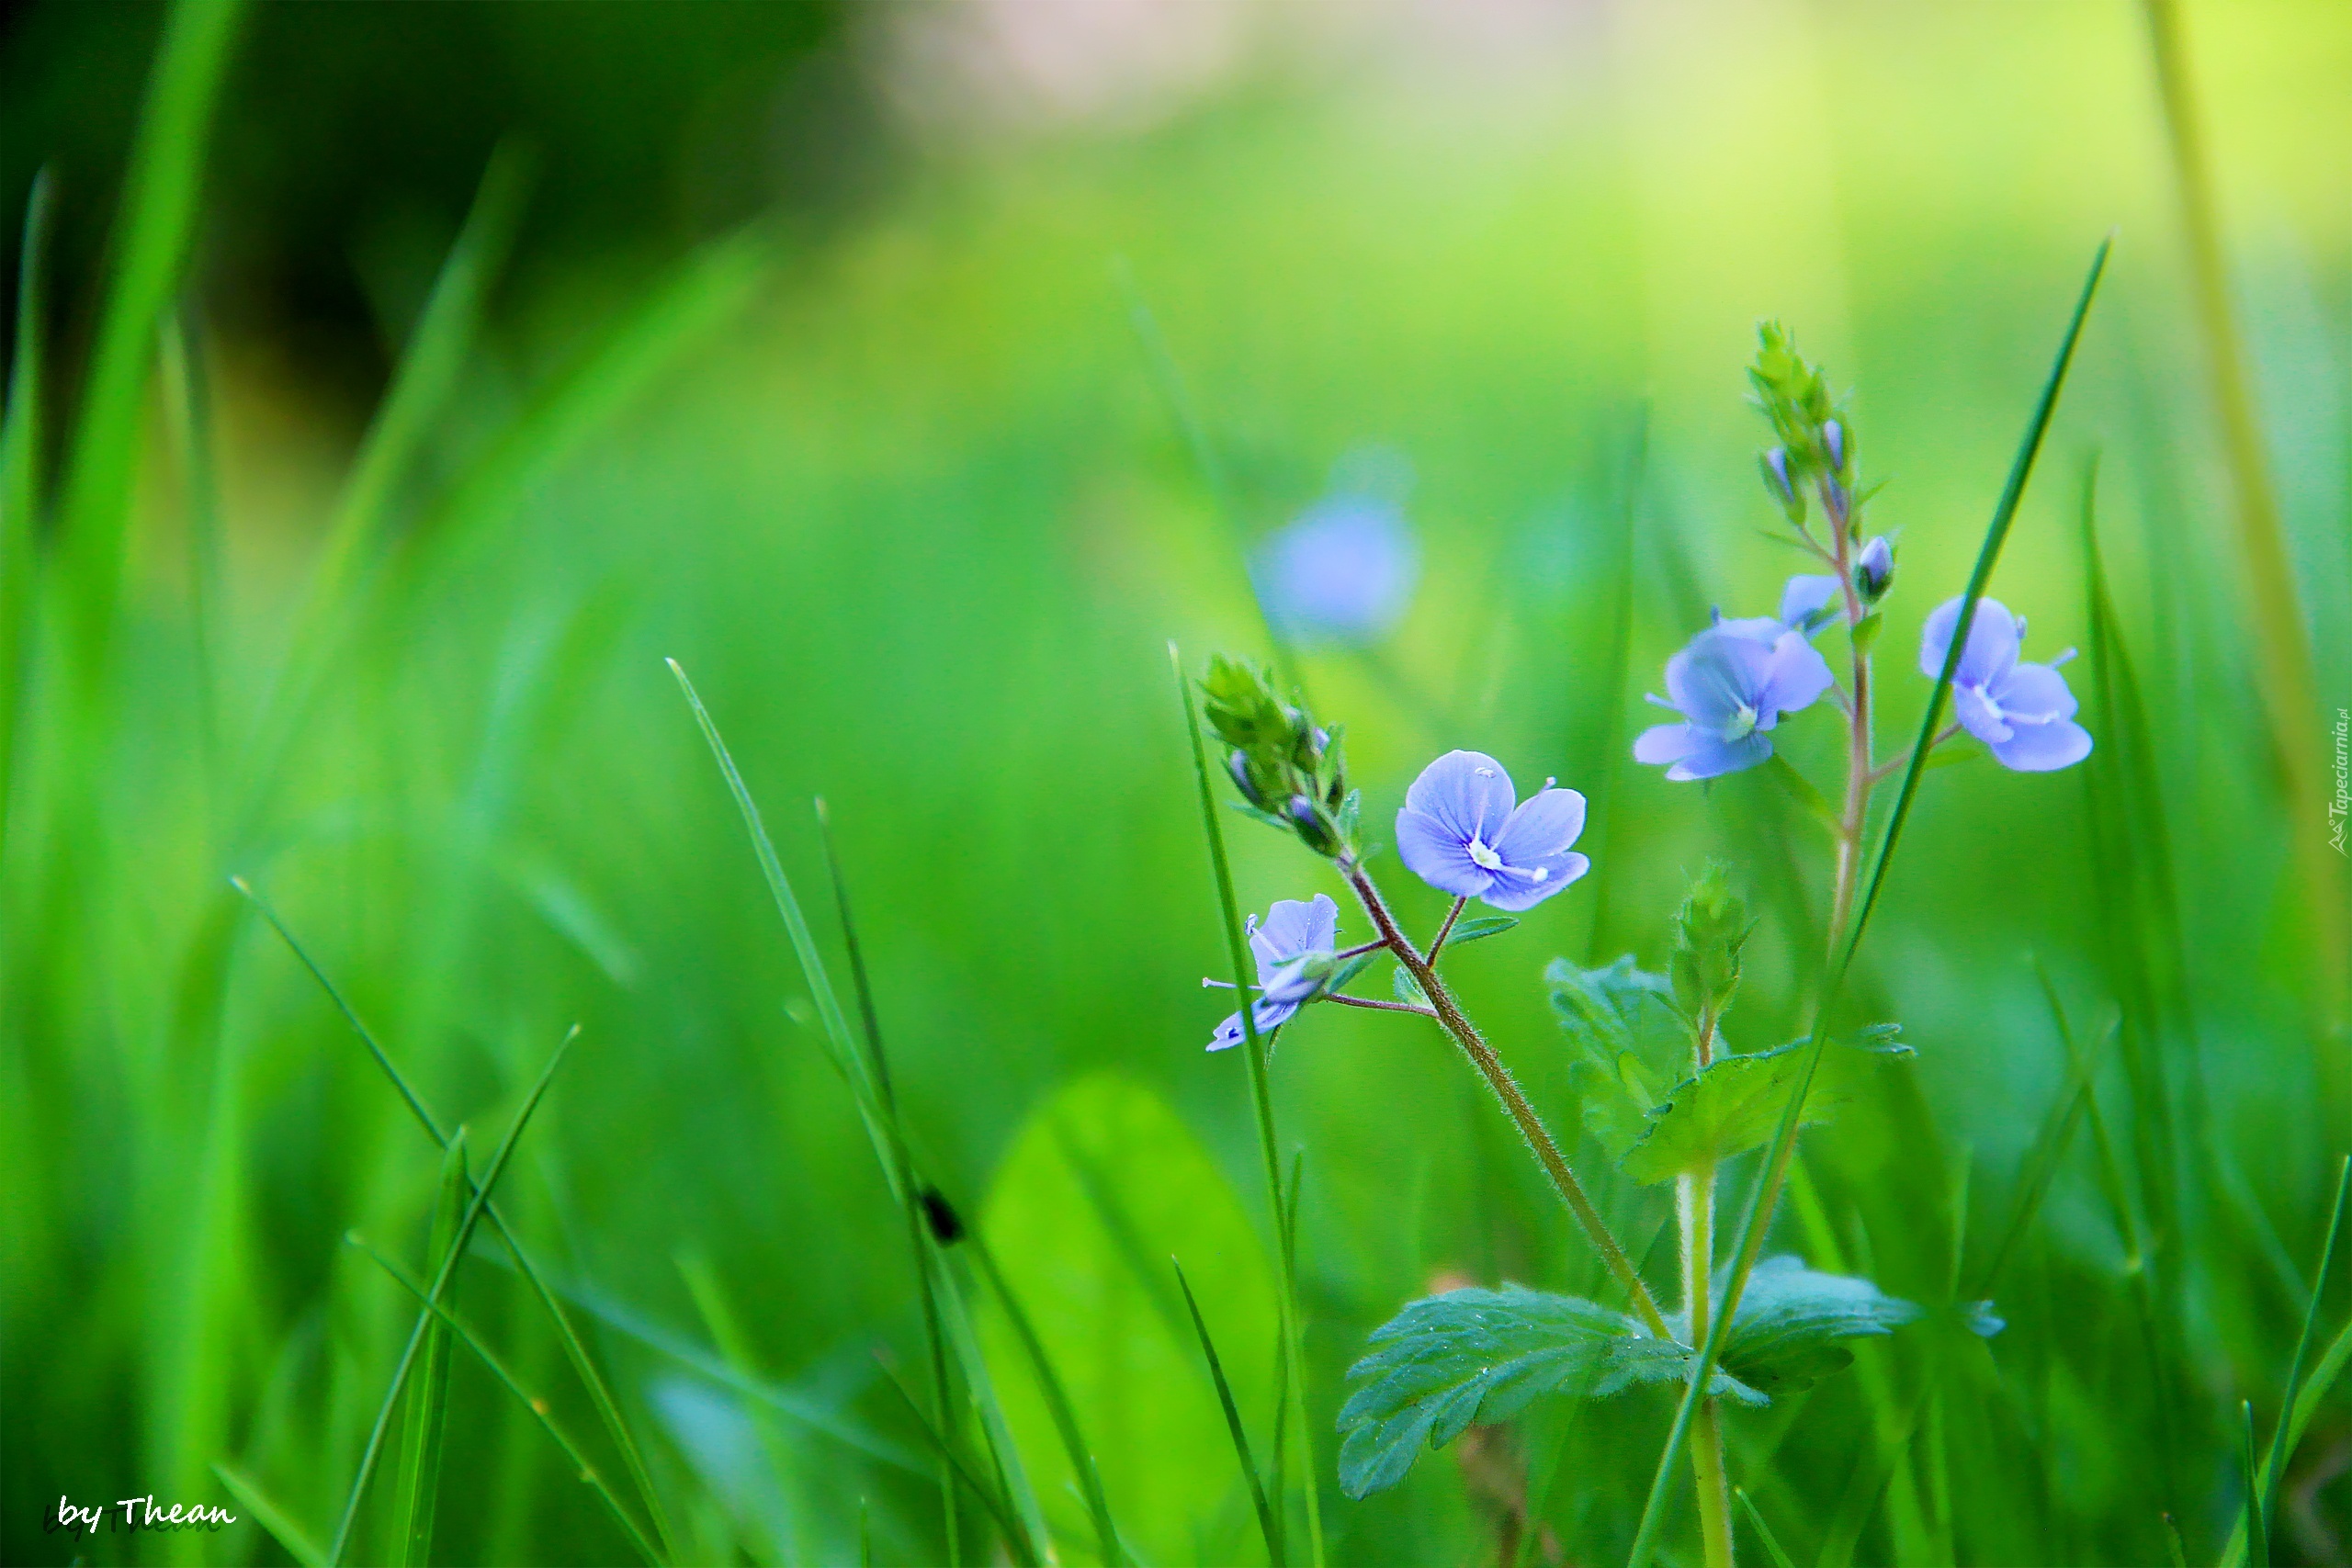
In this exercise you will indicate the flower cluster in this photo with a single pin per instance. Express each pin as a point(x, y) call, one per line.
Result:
point(1288, 767)
point(2022, 711)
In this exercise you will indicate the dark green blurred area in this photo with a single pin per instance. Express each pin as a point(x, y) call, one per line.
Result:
point(910, 511)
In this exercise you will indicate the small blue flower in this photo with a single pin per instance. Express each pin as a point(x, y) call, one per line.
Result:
point(1293, 949)
point(1805, 607)
point(1465, 831)
point(1731, 685)
point(2024, 712)
point(1343, 573)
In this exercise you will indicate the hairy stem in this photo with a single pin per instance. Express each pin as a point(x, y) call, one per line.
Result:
point(1859, 773)
point(1451, 1017)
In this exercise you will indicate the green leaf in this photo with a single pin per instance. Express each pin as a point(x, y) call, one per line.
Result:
point(1480, 926)
point(1407, 989)
point(1802, 790)
point(1481, 1356)
point(1732, 1107)
point(1347, 972)
point(1628, 1042)
point(1866, 631)
point(1785, 1334)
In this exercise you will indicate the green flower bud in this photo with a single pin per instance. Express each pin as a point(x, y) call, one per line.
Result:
point(1710, 929)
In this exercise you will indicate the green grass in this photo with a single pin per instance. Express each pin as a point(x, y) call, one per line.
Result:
point(921, 501)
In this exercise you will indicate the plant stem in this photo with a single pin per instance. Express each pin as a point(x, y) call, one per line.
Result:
point(1695, 1209)
point(1860, 774)
point(1506, 1089)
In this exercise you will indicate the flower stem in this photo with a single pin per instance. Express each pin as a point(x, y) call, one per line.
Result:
point(1859, 773)
point(1694, 1212)
point(1505, 1089)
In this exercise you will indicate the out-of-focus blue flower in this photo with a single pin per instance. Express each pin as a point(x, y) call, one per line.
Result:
point(1805, 608)
point(1465, 831)
point(1731, 687)
point(2023, 712)
point(1342, 572)
point(1293, 949)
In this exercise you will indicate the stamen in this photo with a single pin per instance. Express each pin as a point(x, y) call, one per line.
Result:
point(1482, 857)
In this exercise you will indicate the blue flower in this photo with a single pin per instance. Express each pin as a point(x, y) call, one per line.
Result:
point(1465, 831)
point(1342, 572)
point(1293, 949)
point(1731, 686)
point(1805, 607)
point(2023, 712)
point(1874, 569)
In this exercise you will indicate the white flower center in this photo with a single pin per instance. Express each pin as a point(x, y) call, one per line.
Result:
point(1742, 724)
point(1483, 857)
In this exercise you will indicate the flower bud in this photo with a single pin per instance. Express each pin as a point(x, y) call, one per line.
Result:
point(1238, 764)
point(1776, 474)
point(1833, 442)
point(1710, 929)
point(1874, 569)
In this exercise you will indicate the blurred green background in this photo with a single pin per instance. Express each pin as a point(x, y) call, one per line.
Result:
point(810, 367)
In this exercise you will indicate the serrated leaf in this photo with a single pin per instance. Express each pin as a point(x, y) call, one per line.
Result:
point(1612, 1014)
point(1481, 926)
point(1785, 1335)
point(1480, 1356)
point(1730, 1108)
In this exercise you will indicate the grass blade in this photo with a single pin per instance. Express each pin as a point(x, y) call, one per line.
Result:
point(1266, 1525)
point(1775, 1172)
point(1771, 1545)
point(441, 1278)
point(2280, 1452)
point(535, 1405)
point(2049, 1148)
point(22, 442)
point(421, 1432)
point(1058, 1404)
point(1017, 1539)
point(2253, 1523)
point(150, 244)
point(1255, 1049)
point(280, 1526)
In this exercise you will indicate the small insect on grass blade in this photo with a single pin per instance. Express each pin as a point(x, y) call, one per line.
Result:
point(428, 1401)
point(537, 1406)
point(1266, 1525)
point(1767, 1190)
point(291, 1537)
point(374, 1450)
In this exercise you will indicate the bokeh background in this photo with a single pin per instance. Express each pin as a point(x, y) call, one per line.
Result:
point(807, 355)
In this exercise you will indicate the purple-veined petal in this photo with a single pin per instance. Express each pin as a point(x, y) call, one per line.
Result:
point(1293, 927)
point(1714, 757)
point(1992, 642)
point(2043, 748)
point(1435, 853)
point(1271, 1015)
point(1755, 629)
point(1978, 715)
point(1522, 888)
point(1805, 596)
point(1467, 793)
point(1715, 675)
point(1545, 823)
point(1795, 676)
point(2035, 694)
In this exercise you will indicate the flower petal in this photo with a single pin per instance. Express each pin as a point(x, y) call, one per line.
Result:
point(1796, 675)
point(1806, 597)
point(1546, 823)
point(1714, 757)
point(1293, 927)
point(1979, 715)
point(1717, 675)
point(1992, 642)
point(1662, 743)
point(1435, 853)
point(1467, 791)
point(1521, 889)
point(2044, 748)
point(1755, 629)
point(1271, 1015)
point(2035, 694)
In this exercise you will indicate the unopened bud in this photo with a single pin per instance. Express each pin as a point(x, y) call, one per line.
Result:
point(1302, 810)
point(1776, 472)
point(1238, 764)
point(1833, 441)
point(1874, 569)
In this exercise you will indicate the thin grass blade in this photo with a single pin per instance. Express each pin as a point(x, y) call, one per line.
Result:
point(22, 441)
point(1266, 1523)
point(581, 1464)
point(600, 1394)
point(279, 1524)
point(2254, 1521)
point(1775, 1172)
point(2049, 1148)
point(1017, 1537)
point(368, 1457)
point(421, 1431)
point(1764, 1534)
point(149, 245)
point(1255, 1050)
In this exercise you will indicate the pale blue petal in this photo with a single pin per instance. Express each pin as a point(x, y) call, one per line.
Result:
point(1521, 887)
point(1545, 823)
point(1663, 743)
point(1978, 715)
point(1992, 642)
point(2044, 748)
point(2035, 694)
point(1806, 597)
point(1715, 675)
point(1711, 756)
point(1796, 677)
point(1435, 853)
point(1467, 791)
